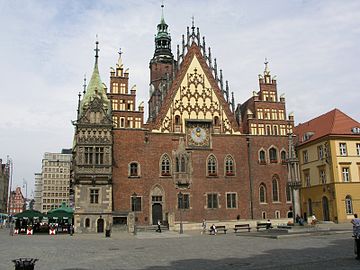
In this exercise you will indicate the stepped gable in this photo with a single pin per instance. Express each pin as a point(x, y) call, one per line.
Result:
point(193, 51)
point(334, 122)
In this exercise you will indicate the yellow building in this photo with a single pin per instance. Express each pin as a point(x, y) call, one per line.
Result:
point(328, 148)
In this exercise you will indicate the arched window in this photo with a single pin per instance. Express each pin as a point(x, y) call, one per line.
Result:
point(275, 190)
point(87, 222)
point(216, 121)
point(134, 170)
point(273, 155)
point(177, 120)
point(283, 156)
point(262, 159)
point(165, 166)
point(348, 205)
point(262, 193)
point(229, 166)
point(183, 164)
point(212, 166)
point(263, 215)
point(277, 214)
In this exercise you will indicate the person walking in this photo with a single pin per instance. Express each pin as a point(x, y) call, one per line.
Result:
point(356, 234)
point(11, 228)
point(159, 226)
point(203, 226)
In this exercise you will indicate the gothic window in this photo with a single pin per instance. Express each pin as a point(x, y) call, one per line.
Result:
point(184, 201)
point(275, 190)
point(283, 156)
point(262, 159)
point(134, 169)
point(177, 120)
point(348, 205)
point(273, 155)
point(268, 130)
point(216, 121)
point(262, 193)
point(136, 204)
point(229, 166)
point(99, 155)
point(94, 196)
point(212, 166)
point(212, 200)
point(89, 155)
point(231, 200)
point(165, 165)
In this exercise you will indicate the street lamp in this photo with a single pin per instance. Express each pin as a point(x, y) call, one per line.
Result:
point(134, 196)
point(181, 201)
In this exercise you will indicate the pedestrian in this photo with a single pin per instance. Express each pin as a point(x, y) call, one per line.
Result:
point(159, 226)
point(203, 226)
point(11, 228)
point(314, 220)
point(356, 234)
point(213, 229)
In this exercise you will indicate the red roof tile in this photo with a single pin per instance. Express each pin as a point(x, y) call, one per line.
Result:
point(334, 122)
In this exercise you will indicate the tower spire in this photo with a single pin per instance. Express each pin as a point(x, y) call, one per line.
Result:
point(84, 85)
point(162, 12)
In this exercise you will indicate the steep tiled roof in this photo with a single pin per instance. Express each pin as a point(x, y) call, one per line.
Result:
point(334, 122)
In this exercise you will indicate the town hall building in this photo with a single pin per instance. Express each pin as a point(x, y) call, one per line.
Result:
point(198, 155)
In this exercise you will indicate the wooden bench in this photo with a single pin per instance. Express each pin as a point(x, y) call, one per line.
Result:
point(284, 227)
point(218, 229)
point(239, 227)
point(265, 226)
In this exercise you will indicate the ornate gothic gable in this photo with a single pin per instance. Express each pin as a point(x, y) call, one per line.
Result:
point(195, 95)
point(95, 113)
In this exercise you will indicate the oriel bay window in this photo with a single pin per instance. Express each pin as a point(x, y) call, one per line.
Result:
point(94, 155)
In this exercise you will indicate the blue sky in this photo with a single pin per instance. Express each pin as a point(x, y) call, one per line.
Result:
point(47, 46)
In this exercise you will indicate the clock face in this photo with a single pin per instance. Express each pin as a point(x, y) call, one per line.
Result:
point(198, 135)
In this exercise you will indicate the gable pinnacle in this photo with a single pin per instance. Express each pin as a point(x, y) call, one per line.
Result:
point(266, 71)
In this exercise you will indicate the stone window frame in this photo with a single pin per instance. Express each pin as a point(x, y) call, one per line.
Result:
point(164, 173)
point(227, 201)
point(273, 147)
point(277, 214)
point(345, 175)
point(93, 196)
point(283, 158)
point(87, 222)
point(130, 173)
point(262, 186)
point(275, 189)
point(262, 161)
point(217, 200)
point(211, 168)
point(184, 206)
point(227, 173)
point(136, 204)
point(349, 210)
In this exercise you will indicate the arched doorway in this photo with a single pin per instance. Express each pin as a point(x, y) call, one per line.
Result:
point(100, 225)
point(325, 205)
point(156, 213)
point(157, 201)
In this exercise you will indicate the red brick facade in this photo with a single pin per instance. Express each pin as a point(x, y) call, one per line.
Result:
point(138, 153)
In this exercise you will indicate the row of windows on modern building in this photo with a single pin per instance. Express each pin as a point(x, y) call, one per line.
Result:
point(345, 175)
point(212, 199)
point(322, 152)
point(267, 129)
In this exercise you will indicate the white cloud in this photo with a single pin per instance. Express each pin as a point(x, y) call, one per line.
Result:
point(48, 46)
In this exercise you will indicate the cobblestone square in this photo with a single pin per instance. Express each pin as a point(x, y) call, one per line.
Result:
point(169, 250)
